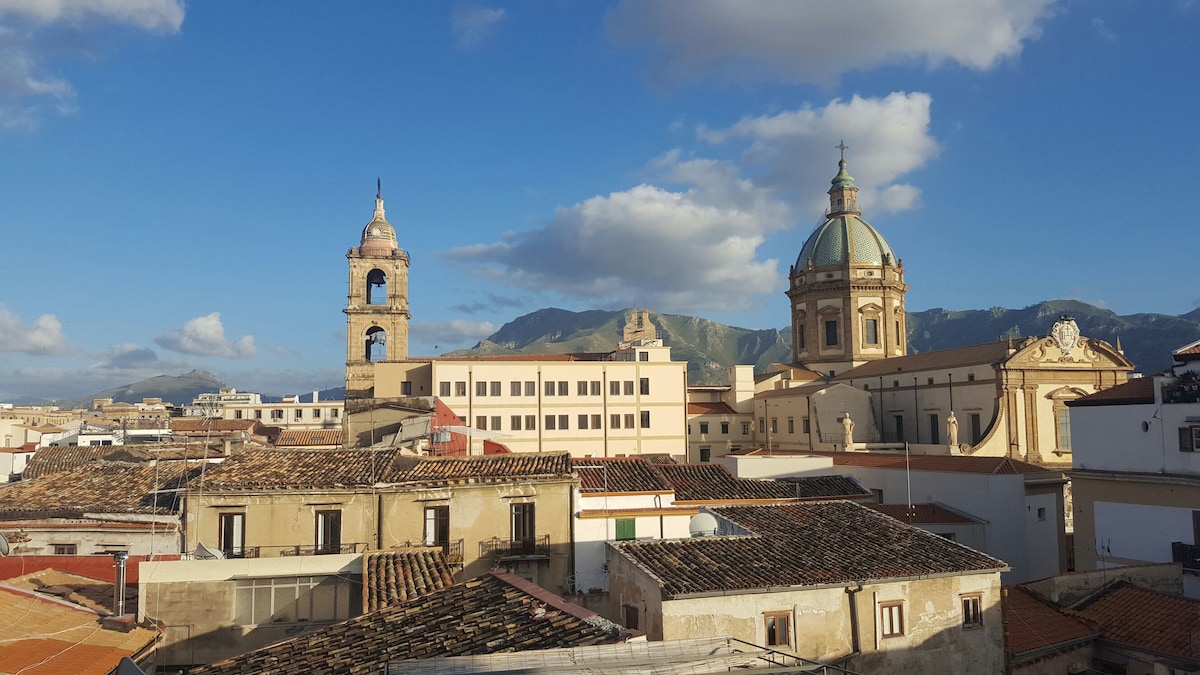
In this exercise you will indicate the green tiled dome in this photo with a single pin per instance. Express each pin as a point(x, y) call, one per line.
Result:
point(845, 239)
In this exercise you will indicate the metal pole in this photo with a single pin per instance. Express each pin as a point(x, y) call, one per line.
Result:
point(950, 376)
point(916, 414)
point(119, 585)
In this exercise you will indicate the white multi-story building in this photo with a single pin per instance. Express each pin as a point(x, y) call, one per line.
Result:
point(1136, 477)
point(290, 413)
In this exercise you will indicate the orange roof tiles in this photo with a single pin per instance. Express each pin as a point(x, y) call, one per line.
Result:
point(1135, 391)
point(1032, 624)
point(624, 474)
point(923, 514)
point(501, 467)
point(79, 645)
point(710, 408)
point(100, 487)
point(391, 577)
point(986, 353)
point(1146, 620)
point(309, 437)
point(201, 426)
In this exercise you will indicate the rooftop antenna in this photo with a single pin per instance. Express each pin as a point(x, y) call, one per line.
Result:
point(378, 188)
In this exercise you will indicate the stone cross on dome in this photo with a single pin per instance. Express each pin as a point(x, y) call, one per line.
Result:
point(843, 147)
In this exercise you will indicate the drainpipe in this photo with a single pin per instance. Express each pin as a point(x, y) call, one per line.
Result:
point(852, 597)
point(120, 557)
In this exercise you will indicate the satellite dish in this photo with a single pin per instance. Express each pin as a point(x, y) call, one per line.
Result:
point(3, 545)
point(205, 553)
point(703, 525)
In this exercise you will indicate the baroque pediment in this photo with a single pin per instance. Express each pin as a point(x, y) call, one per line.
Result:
point(1049, 352)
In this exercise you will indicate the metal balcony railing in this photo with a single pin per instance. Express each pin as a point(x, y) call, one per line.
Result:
point(1187, 554)
point(532, 547)
point(240, 552)
point(319, 550)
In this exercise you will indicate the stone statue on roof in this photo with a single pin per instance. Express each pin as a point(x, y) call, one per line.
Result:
point(952, 429)
point(848, 429)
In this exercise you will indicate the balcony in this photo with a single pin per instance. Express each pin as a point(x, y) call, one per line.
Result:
point(452, 550)
point(320, 550)
point(1186, 554)
point(502, 549)
point(240, 552)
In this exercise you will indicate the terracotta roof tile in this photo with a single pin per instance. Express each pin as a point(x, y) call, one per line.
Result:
point(182, 425)
point(714, 483)
point(307, 437)
point(1146, 619)
point(1136, 390)
point(988, 352)
point(947, 463)
point(390, 577)
point(626, 474)
point(923, 514)
point(60, 458)
point(94, 594)
point(490, 467)
point(710, 408)
point(79, 644)
point(1188, 350)
point(802, 544)
point(99, 487)
point(1031, 623)
point(303, 469)
point(493, 613)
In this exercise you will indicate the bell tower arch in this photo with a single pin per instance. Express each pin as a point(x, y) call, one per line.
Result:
point(376, 305)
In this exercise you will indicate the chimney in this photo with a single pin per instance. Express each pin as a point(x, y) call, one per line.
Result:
point(315, 397)
point(119, 585)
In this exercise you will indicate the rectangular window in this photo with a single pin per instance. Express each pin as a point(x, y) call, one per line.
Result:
point(891, 619)
point(549, 388)
point(515, 423)
point(523, 523)
point(704, 427)
point(1063, 419)
point(583, 421)
point(293, 599)
point(581, 388)
point(495, 389)
point(934, 433)
point(614, 421)
point(705, 454)
point(65, 549)
point(530, 388)
point(258, 414)
point(976, 428)
point(801, 337)
point(481, 422)
point(872, 332)
point(277, 415)
point(437, 525)
point(970, 377)
point(406, 388)
point(631, 616)
point(831, 334)
point(778, 625)
point(645, 386)
point(626, 529)
point(495, 423)
point(564, 422)
point(791, 426)
point(444, 389)
point(531, 423)
point(550, 424)
point(514, 388)
point(614, 388)
point(329, 532)
point(237, 414)
point(333, 413)
point(594, 389)
point(774, 425)
point(1041, 513)
point(563, 388)
point(628, 388)
point(899, 421)
point(316, 413)
point(645, 419)
point(460, 388)
point(628, 420)
point(745, 428)
point(298, 414)
point(725, 428)
point(481, 388)
point(595, 421)
point(804, 425)
point(231, 533)
point(972, 611)
point(643, 356)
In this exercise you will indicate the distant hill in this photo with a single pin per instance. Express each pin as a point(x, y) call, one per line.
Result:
point(177, 389)
point(710, 347)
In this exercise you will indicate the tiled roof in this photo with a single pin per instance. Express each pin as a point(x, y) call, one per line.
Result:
point(492, 613)
point(1136, 390)
point(826, 487)
point(41, 636)
point(93, 594)
point(1146, 619)
point(923, 514)
point(181, 425)
point(303, 469)
point(986, 353)
point(306, 437)
point(947, 463)
point(713, 483)
point(626, 474)
point(1032, 624)
point(390, 577)
point(802, 544)
point(60, 458)
point(1188, 350)
point(490, 467)
point(100, 487)
point(658, 458)
point(710, 408)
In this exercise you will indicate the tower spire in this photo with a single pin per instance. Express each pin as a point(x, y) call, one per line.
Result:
point(843, 147)
point(378, 188)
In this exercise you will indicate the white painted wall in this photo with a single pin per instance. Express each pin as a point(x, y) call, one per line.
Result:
point(593, 534)
point(1111, 437)
point(1139, 532)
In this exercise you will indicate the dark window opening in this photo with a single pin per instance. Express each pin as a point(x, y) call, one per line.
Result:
point(376, 287)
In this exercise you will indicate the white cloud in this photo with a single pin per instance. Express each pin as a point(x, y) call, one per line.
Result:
point(27, 91)
point(472, 23)
point(888, 137)
point(816, 41)
point(205, 336)
point(1101, 29)
point(452, 333)
point(671, 250)
point(43, 337)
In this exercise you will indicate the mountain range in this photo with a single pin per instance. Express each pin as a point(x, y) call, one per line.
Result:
point(710, 347)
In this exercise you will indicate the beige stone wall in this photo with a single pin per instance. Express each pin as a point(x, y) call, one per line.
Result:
point(280, 520)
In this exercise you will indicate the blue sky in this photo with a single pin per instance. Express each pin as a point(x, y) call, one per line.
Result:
point(179, 183)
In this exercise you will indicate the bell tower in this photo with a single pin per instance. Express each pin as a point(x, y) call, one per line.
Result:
point(377, 303)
